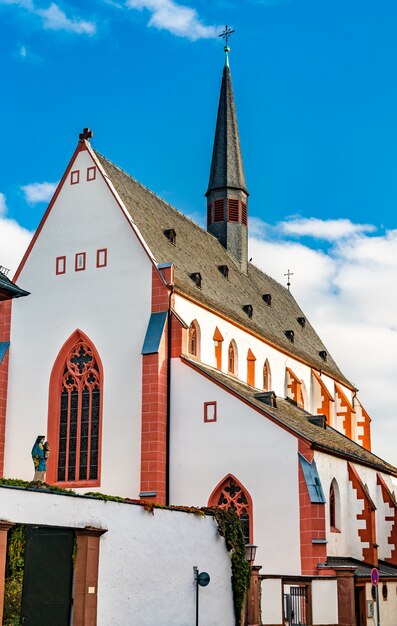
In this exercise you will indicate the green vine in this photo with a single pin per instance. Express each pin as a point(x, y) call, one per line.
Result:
point(229, 526)
point(14, 575)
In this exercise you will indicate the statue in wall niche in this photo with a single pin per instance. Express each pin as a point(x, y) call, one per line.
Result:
point(40, 454)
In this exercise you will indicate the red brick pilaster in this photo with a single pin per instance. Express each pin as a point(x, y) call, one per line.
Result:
point(312, 523)
point(154, 400)
point(368, 533)
point(5, 325)
point(178, 337)
point(85, 583)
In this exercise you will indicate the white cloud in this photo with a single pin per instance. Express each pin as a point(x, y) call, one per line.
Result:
point(53, 18)
point(13, 242)
point(176, 18)
point(39, 192)
point(348, 295)
point(3, 205)
point(23, 52)
point(328, 230)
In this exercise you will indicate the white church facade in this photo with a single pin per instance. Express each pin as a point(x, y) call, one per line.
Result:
point(163, 365)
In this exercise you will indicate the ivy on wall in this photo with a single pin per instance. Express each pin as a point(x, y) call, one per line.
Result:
point(14, 575)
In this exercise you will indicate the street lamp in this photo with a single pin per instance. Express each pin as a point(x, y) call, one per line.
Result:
point(250, 552)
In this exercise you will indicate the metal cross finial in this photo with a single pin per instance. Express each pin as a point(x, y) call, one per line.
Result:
point(86, 134)
point(226, 34)
point(289, 274)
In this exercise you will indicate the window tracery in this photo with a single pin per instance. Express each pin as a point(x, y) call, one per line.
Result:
point(231, 495)
point(80, 399)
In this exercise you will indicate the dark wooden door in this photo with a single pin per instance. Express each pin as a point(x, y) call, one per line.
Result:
point(47, 580)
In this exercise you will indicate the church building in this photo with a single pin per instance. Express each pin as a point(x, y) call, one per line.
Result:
point(163, 365)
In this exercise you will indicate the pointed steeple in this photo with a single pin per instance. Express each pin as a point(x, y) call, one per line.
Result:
point(227, 191)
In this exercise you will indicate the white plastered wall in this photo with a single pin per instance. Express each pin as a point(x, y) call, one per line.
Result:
point(272, 601)
point(324, 602)
point(111, 305)
point(387, 608)
point(347, 541)
point(259, 453)
point(145, 561)
point(278, 361)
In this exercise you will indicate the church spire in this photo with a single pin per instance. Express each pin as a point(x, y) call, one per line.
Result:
point(227, 191)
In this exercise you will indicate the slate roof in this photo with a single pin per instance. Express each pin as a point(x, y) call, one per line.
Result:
point(227, 164)
point(363, 570)
point(9, 290)
point(196, 250)
point(327, 440)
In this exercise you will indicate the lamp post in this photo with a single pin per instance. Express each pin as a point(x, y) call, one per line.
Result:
point(201, 579)
point(250, 552)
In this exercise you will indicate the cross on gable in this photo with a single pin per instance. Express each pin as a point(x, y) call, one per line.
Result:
point(86, 134)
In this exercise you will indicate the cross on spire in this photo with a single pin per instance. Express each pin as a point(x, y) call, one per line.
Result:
point(86, 134)
point(289, 274)
point(225, 34)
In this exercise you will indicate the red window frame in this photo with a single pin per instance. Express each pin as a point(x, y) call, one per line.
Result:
point(91, 170)
point(75, 177)
point(103, 251)
point(60, 260)
point(207, 417)
point(78, 254)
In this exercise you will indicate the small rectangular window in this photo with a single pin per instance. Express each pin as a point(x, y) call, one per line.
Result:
point(91, 173)
point(60, 266)
point(80, 261)
point(102, 257)
point(209, 411)
point(75, 177)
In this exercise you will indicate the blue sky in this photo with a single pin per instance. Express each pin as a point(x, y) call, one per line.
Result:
point(316, 95)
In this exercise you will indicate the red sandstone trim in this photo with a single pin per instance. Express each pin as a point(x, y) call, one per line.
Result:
point(325, 408)
point(214, 498)
point(368, 533)
point(213, 413)
point(54, 413)
point(312, 523)
point(348, 414)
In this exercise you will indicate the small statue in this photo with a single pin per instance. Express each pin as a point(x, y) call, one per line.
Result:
point(40, 454)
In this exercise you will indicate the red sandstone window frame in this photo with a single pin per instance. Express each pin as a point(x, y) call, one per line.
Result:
point(75, 177)
point(99, 253)
point(193, 346)
point(215, 495)
point(60, 265)
point(91, 173)
point(53, 419)
point(83, 255)
point(207, 418)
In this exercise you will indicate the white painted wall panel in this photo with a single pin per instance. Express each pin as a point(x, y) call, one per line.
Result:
point(272, 601)
point(260, 454)
point(146, 561)
point(103, 303)
point(324, 602)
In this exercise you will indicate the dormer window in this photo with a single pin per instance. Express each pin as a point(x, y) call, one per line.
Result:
point(323, 354)
point(171, 235)
point(301, 321)
point(267, 298)
point(290, 335)
point(224, 270)
point(196, 278)
point(248, 309)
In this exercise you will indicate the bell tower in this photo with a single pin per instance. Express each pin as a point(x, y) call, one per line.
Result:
point(227, 195)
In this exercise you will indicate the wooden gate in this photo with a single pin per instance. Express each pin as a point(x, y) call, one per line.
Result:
point(47, 580)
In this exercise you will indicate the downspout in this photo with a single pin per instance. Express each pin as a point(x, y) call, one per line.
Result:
point(168, 430)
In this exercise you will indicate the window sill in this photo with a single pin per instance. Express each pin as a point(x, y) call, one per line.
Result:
point(77, 484)
point(333, 529)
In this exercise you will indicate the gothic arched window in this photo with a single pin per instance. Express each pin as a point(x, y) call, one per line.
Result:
point(334, 506)
point(232, 358)
point(75, 408)
point(194, 338)
point(230, 494)
point(266, 376)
